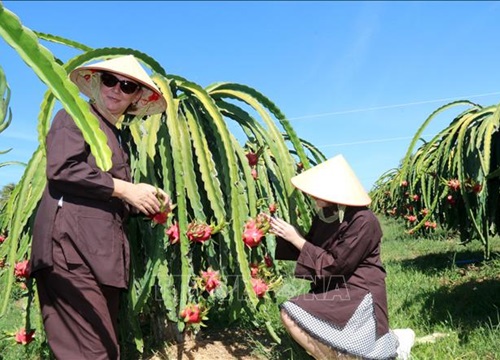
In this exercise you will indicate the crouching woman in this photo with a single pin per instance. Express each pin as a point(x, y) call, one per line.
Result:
point(345, 313)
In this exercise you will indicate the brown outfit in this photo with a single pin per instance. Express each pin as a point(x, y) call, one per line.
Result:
point(80, 254)
point(343, 263)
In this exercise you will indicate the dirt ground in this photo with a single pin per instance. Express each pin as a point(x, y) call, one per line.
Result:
point(227, 345)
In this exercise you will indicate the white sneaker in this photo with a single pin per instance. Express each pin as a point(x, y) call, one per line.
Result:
point(406, 338)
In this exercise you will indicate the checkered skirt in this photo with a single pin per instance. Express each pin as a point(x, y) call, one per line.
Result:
point(358, 337)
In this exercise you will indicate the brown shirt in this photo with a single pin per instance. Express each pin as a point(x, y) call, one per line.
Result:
point(90, 219)
point(342, 261)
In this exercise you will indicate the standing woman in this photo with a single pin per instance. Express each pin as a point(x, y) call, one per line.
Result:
point(80, 253)
point(345, 313)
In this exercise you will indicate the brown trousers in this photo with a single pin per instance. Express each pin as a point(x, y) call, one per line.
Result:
point(79, 315)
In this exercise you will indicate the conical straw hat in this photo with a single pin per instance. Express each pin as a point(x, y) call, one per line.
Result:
point(151, 101)
point(333, 181)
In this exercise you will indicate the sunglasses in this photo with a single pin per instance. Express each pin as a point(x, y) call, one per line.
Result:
point(127, 87)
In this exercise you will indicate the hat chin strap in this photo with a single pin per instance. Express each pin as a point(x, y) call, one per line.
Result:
point(137, 117)
point(337, 215)
point(95, 89)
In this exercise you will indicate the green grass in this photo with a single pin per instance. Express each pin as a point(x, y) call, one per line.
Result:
point(432, 288)
point(439, 286)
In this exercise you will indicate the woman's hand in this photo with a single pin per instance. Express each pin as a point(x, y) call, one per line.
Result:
point(286, 231)
point(146, 198)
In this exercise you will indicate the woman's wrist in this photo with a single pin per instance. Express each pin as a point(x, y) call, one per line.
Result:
point(120, 188)
point(298, 242)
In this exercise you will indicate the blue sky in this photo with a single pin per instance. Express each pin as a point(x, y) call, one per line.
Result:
point(354, 78)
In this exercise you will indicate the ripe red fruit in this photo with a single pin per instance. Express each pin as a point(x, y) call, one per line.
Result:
point(160, 217)
point(411, 218)
point(211, 279)
point(253, 158)
point(199, 232)
point(173, 233)
point(252, 235)
point(259, 286)
point(191, 314)
point(24, 337)
point(22, 269)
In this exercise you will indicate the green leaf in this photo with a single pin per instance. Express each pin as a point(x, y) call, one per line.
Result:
point(25, 42)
